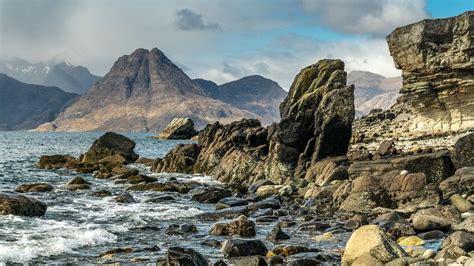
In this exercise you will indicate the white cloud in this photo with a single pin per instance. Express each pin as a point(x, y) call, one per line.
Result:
point(374, 17)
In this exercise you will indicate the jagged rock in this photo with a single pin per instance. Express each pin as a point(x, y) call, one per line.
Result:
point(230, 202)
point(179, 128)
point(242, 247)
point(394, 225)
point(369, 239)
point(464, 240)
point(172, 186)
point(110, 144)
point(184, 256)
point(180, 159)
point(276, 234)
point(316, 124)
point(35, 187)
point(463, 151)
point(77, 183)
point(209, 194)
point(17, 204)
point(467, 225)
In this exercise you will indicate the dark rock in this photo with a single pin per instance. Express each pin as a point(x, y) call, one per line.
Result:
point(35, 187)
point(271, 202)
point(355, 222)
point(277, 234)
point(463, 151)
point(462, 182)
point(249, 261)
point(230, 202)
point(255, 185)
point(430, 235)
point(102, 193)
point(240, 226)
point(77, 183)
point(313, 226)
point(17, 204)
point(226, 213)
point(275, 260)
point(117, 251)
point(56, 161)
point(464, 240)
point(288, 250)
point(125, 197)
point(395, 225)
point(111, 144)
point(209, 194)
point(185, 257)
point(180, 159)
point(179, 128)
point(162, 198)
point(212, 243)
point(241, 247)
point(145, 161)
point(184, 229)
point(174, 186)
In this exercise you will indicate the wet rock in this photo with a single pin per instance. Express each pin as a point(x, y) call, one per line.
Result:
point(355, 222)
point(125, 197)
point(288, 250)
point(431, 235)
point(102, 193)
point(277, 234)
point(113, 159)
point(271, 202)
point(209, 194)
point(314, 225)
point(212, 243)
point(17, 204)
point(184, 229)
point(114, 251)
point(462, 239)
point(110, 144)
point(275, 260)
point(369, 239)
point(145, 161)
point(180, 159)
point(56, 161)
point(241, 226)
point(184, 256)
point(463, 151)
point(232, 212)
point(230, 202)
point(450, 252)
point(77, 183)
point(162, 198)
point(242, 247)
point(172, 186)
point(179, 128)
point(35, 187)
point(249, 261)
point(460, 203)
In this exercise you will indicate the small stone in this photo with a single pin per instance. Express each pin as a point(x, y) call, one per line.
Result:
point(277, 234)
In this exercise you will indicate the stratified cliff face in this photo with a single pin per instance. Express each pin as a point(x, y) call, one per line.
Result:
point(316, 124)
point(437, 62)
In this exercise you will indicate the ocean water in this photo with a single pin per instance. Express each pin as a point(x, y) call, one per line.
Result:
point(78, 227)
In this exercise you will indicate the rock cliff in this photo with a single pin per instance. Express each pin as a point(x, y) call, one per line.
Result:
point(316, 124)
point(436, 57)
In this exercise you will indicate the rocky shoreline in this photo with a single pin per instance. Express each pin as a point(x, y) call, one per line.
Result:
point(390, 194)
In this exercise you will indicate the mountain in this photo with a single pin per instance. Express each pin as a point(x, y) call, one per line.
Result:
point(373, 91)
point(25, 106)
point(255, 93)
point(74, 79)
point(144, 91)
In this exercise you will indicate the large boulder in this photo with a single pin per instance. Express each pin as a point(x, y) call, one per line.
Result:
point(179, 128)
point(110, 144)
point(34, 187)
point(17, 204)
point(370, 240)
point(184, 256)
point(463, 151)
point(242, 247)
point(241, 226)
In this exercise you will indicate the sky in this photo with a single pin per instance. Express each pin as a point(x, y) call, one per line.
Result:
point(219, 40)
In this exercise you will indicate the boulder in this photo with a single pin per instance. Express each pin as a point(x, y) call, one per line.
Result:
point(230, 202)
point(370, 240)
point(461, 239)
point(110, 144)
point(462, 182)
point(277, 234)
point(249, 261)
point(466, 225)
point(179, 128)
point(463, 151)
point(437, 218)
point(34, 187)
point(184, 229)
point(180, 159)
point(394, 225)
point(125, 197)
point(77, 183)
point(17, 204)
point(209, 194)
point(184, 256)
point(241, 226)
point(243, 247)
point(56, 161)
point(460, 203)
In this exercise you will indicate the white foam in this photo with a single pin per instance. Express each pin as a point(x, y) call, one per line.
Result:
point(48, 237)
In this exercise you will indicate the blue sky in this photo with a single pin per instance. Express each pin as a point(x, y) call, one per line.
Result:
point(220, 40)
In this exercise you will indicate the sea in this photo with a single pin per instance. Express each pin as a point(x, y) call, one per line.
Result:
point(78, 227)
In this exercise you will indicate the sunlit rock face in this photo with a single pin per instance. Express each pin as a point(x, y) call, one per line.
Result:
point(437, 62)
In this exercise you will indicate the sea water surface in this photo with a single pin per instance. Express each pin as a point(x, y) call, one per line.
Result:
point(78, 227)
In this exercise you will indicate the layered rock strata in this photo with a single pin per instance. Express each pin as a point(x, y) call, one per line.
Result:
point(316, 124)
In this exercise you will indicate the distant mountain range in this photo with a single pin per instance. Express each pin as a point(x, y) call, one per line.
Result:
point(74, 79)
point(25, 106)
point(144, 91)
point(373, 91)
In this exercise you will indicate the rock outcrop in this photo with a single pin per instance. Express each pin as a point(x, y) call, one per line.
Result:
point(316, 124)
point(110, 144)
point(17, 204)
point(437, 61)
point(179, 128)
